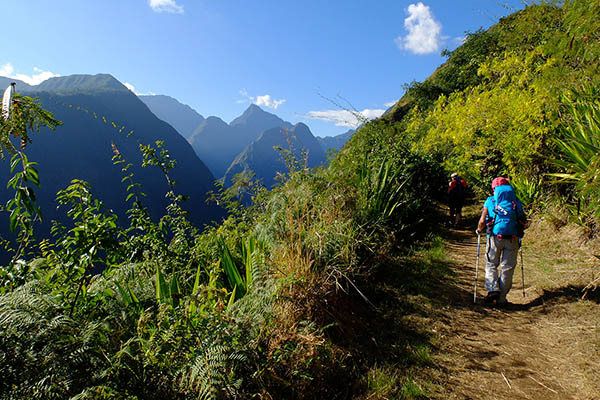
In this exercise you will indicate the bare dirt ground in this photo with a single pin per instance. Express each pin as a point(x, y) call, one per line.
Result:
point(544, 346)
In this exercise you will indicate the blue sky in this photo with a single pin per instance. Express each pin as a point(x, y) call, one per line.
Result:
point(218, 56)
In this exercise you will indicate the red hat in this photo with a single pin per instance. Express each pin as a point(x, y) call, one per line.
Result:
point(499, 181)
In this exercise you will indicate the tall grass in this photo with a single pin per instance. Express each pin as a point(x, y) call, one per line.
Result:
point(579, 146)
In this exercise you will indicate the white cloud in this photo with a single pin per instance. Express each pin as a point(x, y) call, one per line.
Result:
point(130, 87)
point(38, 77)
point(268, 102)
point(345, 117)
point(264, 100)
point(460, 40)
point(7, 70)
point(389, 104)
point(423, 31)
point(169, 6)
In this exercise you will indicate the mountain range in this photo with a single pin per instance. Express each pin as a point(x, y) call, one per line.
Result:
point(98, 111)
point(218, 143)
point(263, 156)
point(228, 148)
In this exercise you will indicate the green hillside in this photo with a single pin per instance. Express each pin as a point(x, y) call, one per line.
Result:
point(306, 292)
point(510, 101)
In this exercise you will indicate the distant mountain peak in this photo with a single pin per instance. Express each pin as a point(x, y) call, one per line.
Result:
point(301, 125)
point(255, 114)
point(212, 120)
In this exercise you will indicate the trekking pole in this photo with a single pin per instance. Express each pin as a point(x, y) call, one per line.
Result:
point(476, 267)
point(522, 269)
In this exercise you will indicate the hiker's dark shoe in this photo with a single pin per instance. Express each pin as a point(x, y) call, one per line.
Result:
point(491, 298)
point(503, 303)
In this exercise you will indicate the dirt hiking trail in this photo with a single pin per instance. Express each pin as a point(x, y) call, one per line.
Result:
point(531, 349)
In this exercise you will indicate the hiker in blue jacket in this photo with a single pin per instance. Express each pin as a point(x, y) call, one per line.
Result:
point(503, 218)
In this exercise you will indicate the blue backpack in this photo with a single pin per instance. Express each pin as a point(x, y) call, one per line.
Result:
point(505, 213)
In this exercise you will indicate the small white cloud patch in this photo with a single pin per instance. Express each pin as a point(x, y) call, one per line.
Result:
point(350, 119)
point(7, 70)
point(424, 32)
point(134, 91)
point(264, 100)
point(169, 6)
point(38, 77)
point(459, 41)
point(267, 101)
point(130, 87)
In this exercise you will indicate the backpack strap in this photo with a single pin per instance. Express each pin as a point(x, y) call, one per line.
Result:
point(491, 218)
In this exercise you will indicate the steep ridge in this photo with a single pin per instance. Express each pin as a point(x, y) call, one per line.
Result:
point(216, 143)
point(180, 116)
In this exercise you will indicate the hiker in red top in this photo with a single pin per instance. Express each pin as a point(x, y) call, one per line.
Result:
point(456, 198)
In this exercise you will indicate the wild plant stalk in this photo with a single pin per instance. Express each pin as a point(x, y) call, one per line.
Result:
point(176, 217)
point(22, 208)
point(22, 116)
point(95, 231)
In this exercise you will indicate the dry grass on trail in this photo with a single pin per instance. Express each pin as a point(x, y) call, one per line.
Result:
point(546, 345)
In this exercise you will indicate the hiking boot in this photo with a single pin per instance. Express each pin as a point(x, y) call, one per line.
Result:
point(491, 298)
point(502, 303)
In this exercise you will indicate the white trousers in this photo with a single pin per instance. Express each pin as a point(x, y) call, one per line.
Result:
point(501, 260)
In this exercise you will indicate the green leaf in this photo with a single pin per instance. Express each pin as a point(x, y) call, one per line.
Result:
point(174, 291)
point(14, 219)
point(232, 298)
point(124, 294)
point(231, 270)
point(134, 298)
point(162, 289)
point(197, 280)
point(32, 175)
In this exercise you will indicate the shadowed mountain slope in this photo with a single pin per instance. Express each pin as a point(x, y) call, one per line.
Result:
point(94, 109)
point(180, 116)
